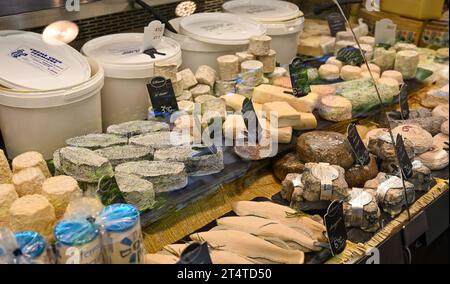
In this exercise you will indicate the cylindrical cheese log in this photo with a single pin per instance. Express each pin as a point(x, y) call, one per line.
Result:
point(8, 195)
point(334, 61)
point(366, 74)
point(393, 75)
point(345, 35)
point(252, 73)
point(323, 90)
point(374, 68)
point(269, 61)
point(329, 72)
point(168, 71)
point(260, 45)
point(5, 170)
point(59, 191)
point(30, 160)
point(335, 108)
point(367, 40)
point(206, 75)
point(223, 88)
point(349, 73)
point(28, 181)
point(341, 44)
point(188, 78)
point(200, 90)
point(385, 59)
point(33, 213)
point(407, 62)
point(228, 67)
point(245, 56)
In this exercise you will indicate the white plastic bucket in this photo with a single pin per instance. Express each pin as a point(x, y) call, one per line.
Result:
point(197, 53)
point(127, 72)
point(43, 120)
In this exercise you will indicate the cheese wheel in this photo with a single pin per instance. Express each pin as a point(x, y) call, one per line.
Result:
point(370, 40)
point(441, 111)
point(407, 62)
point(374, 68)
point(345, 35)
point(206, 75)
point(60, 190)
point(5, 170)
point(234, 101)
point(228, 67)
point(349, 73)
point(323, 90)
point(444, 128)
point(166, 70)
point(329, 72)
point(335, 108)
point(188, 78)
point(421, 139)
point(367, 49)
point(393, 75)
point(8, 195)
point(440, 141)
point(341, 44)
point(436, 159)
point(28, 181)
point(269, 61)
point(30, 160)
point(260, 45)
point(366, 74)
point(245, 56)
point(200, 90)
point(334, 61)
point(385, 59)
point(33, 213)
point(284, 82)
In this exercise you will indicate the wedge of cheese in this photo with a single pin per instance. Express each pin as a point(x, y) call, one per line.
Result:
point(267, 94)
point(282, 112)
point(234, 101)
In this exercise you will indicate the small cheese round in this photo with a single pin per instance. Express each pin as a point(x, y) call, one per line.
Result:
point(421, 139)
point(401, 46)
point(393, 75)
point(374, 68)
point(329, 72)
point(444, 127)
point(334, 61)
point(385, 59)
point(370, 40)
point(349, 73)
point(28, 181)
point(436, 159)
point(335, 108)
point(260, 45)
point(440, 141)
point(33, 213)
point(392, 83)
point(441, 111)
point(366, 74)
point(30, 160)
point(228, 67)
point(8, 195)
point(59, 191)
point(323, 90)
point(341, 44)
point(407, 62)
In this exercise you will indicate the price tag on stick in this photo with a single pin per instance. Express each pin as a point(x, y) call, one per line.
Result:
point(336, 23)
point(404, 105)
point(336, 230)
point(299, 78)
point(162, 96)
point(251, 122)
point(406, 165)
point(359, 149)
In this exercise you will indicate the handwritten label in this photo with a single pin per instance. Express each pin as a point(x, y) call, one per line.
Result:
point(335, 224)
point(196, 254)
point(336, 23)
point(153, 35)
point(162, 97)
point(359, 149)
point(406, 165)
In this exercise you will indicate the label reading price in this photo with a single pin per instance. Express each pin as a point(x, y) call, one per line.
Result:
point(162, 96)
point(335, 224)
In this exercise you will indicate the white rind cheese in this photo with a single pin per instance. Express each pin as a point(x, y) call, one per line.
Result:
point(393, 75)
point(407, 62)
point(385, 59)
point(349, 73)
point(345, 35)
point(334, 61)
point(367, 40)
point(373, 67)
point(335, 108)
point(329, 72)
point(342, 44)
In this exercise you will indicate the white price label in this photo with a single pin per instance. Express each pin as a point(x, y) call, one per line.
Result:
point(153, 35)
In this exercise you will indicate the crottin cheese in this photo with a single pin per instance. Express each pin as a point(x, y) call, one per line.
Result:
point(392, 74)
point(268, 93)
point(349, 73)
point(33, 213)
point(28, 181)
point(407, 62)
point(335, 108)
point(334, 61)
point(283, 113)
point(5, 170)
point(385, 59)
point(60, 190)
point(329, 72)
point(8, 195)
point(323, 90)
point(366, 74)
point(30, 160)
point(269, 61)
point(374, 68)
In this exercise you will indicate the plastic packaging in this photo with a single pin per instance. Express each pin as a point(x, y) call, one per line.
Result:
point(22, 248)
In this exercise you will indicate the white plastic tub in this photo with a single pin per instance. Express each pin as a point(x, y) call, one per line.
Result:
point(197, 53)
point(127, 72)
point(43, 120)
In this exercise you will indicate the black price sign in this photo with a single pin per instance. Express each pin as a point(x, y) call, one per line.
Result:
point(406, 165)
point(335, 224)
point(196, 254)
point(359, 149)
point(162, 97)
point(299, 78)
point(404, 105)
point(336, 23)
point(251, 122)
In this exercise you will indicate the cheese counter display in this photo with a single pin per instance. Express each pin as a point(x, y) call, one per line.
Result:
point(212, 141)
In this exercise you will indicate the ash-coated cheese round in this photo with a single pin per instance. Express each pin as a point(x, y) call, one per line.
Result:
point(335, 108)
point(341, 44)
point(345, 35)
point(367, 49)
point(60, 190)
point(444, 127)
point(385, 59)
point(8, 195)
point(421, 139)
point(166, 70)
point(228, 67)
point(407, 62)
point(200, 90)
point(269, 61)
point(325, 147)
point(373, 67)
point(28, 181)
point(329, 72)
point(260, 45)
point(441, 111)
point(33, 213)
point(393, 74)
point(30, 160)
point(5, 170)
point(370, 40)
point(349, 73)
point(334, 61)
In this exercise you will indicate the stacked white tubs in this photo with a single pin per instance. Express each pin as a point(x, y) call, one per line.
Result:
point(284, 22)
point(49, 94)
point(127, 72)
